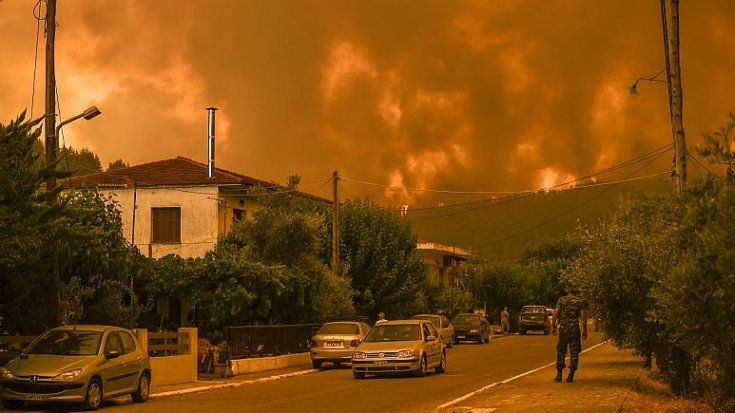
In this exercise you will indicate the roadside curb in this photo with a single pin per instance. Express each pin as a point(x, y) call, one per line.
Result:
point(201, 389)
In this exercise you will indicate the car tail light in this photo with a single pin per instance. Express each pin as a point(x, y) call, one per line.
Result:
point(354, 343)
point(314, 343)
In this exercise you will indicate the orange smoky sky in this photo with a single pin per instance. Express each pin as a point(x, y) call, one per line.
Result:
point(446, 95)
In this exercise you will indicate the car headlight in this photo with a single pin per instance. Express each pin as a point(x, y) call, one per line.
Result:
point(474, 330)
point(405, 353)
point(358, 355)
point(6, 374)
point(69, 375)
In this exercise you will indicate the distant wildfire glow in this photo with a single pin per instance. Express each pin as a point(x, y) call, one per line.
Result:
point(463, 96)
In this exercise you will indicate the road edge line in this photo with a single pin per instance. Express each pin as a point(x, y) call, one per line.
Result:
point(497, 383)
point(202, 389)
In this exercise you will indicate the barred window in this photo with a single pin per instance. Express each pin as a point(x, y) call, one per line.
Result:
point(166, 224)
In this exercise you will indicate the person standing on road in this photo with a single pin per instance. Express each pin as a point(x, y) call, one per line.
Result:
point(381, 318)
point(568, 314)
point(505, 320)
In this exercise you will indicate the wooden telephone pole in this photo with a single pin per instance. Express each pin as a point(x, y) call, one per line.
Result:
point(673, 77)
point(335, 223)
point(50, 148)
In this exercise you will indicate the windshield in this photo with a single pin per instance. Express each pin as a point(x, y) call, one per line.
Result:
point(466, 319)
point(67, 343)
point(394, 332)
point(434, 320)
point(339, 328)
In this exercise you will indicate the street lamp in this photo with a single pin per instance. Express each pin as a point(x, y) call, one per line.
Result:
point(55, 303)
point(88, 114)
point(633, 89)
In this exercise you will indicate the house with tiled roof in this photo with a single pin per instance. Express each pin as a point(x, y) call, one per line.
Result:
point(174, 206)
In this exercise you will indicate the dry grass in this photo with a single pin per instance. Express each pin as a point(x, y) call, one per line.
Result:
point(652, 395)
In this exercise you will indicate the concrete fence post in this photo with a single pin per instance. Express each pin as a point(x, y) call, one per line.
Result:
point(190, 350)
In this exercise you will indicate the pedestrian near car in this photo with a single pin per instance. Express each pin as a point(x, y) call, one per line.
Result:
point(505, 320)
point(568, 314)
point(381, 318)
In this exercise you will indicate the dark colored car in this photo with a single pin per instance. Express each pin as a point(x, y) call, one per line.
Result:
point(472, 327)
point(534, 317)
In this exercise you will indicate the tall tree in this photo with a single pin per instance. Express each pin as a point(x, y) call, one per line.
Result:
point(117, 164)
point(79, 162)
point(378, 250)
point(27, 227)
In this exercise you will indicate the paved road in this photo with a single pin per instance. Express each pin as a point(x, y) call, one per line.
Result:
point(469, 367)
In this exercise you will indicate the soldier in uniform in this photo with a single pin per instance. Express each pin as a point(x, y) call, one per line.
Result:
point(568, 314)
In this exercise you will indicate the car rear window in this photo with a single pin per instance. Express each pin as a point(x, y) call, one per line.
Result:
point(67, 343)
point(466, 319)
point(534, 309)
point(434, 320)
point(339, 328)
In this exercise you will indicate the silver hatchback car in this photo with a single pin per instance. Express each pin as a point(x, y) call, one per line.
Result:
point(400, 346)
point(82, 363)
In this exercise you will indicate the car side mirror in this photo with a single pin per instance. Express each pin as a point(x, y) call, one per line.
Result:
point(112, 354)
point(430, 338)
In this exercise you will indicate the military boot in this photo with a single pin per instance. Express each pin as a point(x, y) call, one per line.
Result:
point(558, 375)
point(570, 377)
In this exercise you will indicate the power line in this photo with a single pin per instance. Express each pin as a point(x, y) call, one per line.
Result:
point(572, 209)
point(35, 54)
point(439, 191)
point(637, 159)
point(652, 154)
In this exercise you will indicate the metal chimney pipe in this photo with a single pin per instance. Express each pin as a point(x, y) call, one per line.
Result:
point(210, 140)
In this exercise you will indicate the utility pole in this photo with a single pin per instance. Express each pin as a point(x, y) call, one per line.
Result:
point(50, 147)
point(335, 223)
point(673, 72)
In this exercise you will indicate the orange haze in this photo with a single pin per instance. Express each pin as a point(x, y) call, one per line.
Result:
point(451, 95)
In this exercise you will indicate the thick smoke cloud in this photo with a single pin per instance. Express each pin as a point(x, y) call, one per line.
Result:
point(462, 95)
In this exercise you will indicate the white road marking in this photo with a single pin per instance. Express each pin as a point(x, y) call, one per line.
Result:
point(229, 385)
point(497, 383)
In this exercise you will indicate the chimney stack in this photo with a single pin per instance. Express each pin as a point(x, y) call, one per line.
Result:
point(210, 141)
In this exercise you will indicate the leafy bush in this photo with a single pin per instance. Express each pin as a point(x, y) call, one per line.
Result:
point(659, 278)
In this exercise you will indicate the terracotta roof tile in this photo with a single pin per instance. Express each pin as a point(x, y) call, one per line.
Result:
point(170, 172)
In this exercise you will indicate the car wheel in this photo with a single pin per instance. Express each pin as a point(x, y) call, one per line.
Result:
point(546, 331)
point(144, 388)
point(442, 367)
point(93, 398)
point(337, 364)
point(421, 372)
point(522, 332)
point(12, 404)
point(316, 364)
point(357, 375)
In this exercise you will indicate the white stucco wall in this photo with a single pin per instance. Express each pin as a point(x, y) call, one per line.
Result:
point(199, 218)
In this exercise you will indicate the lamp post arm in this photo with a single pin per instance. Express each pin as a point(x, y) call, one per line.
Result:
point(58, 128)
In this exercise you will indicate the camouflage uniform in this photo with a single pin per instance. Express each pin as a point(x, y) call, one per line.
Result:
point(569, 309)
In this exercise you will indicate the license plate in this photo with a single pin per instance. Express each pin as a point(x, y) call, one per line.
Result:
point(35, 397)
point(381, 363)
point(334, 344)
point(460, 336)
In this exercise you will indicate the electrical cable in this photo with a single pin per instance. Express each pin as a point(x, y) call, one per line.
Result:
point(35, 57)
point(655, 153)
point(566, 212)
